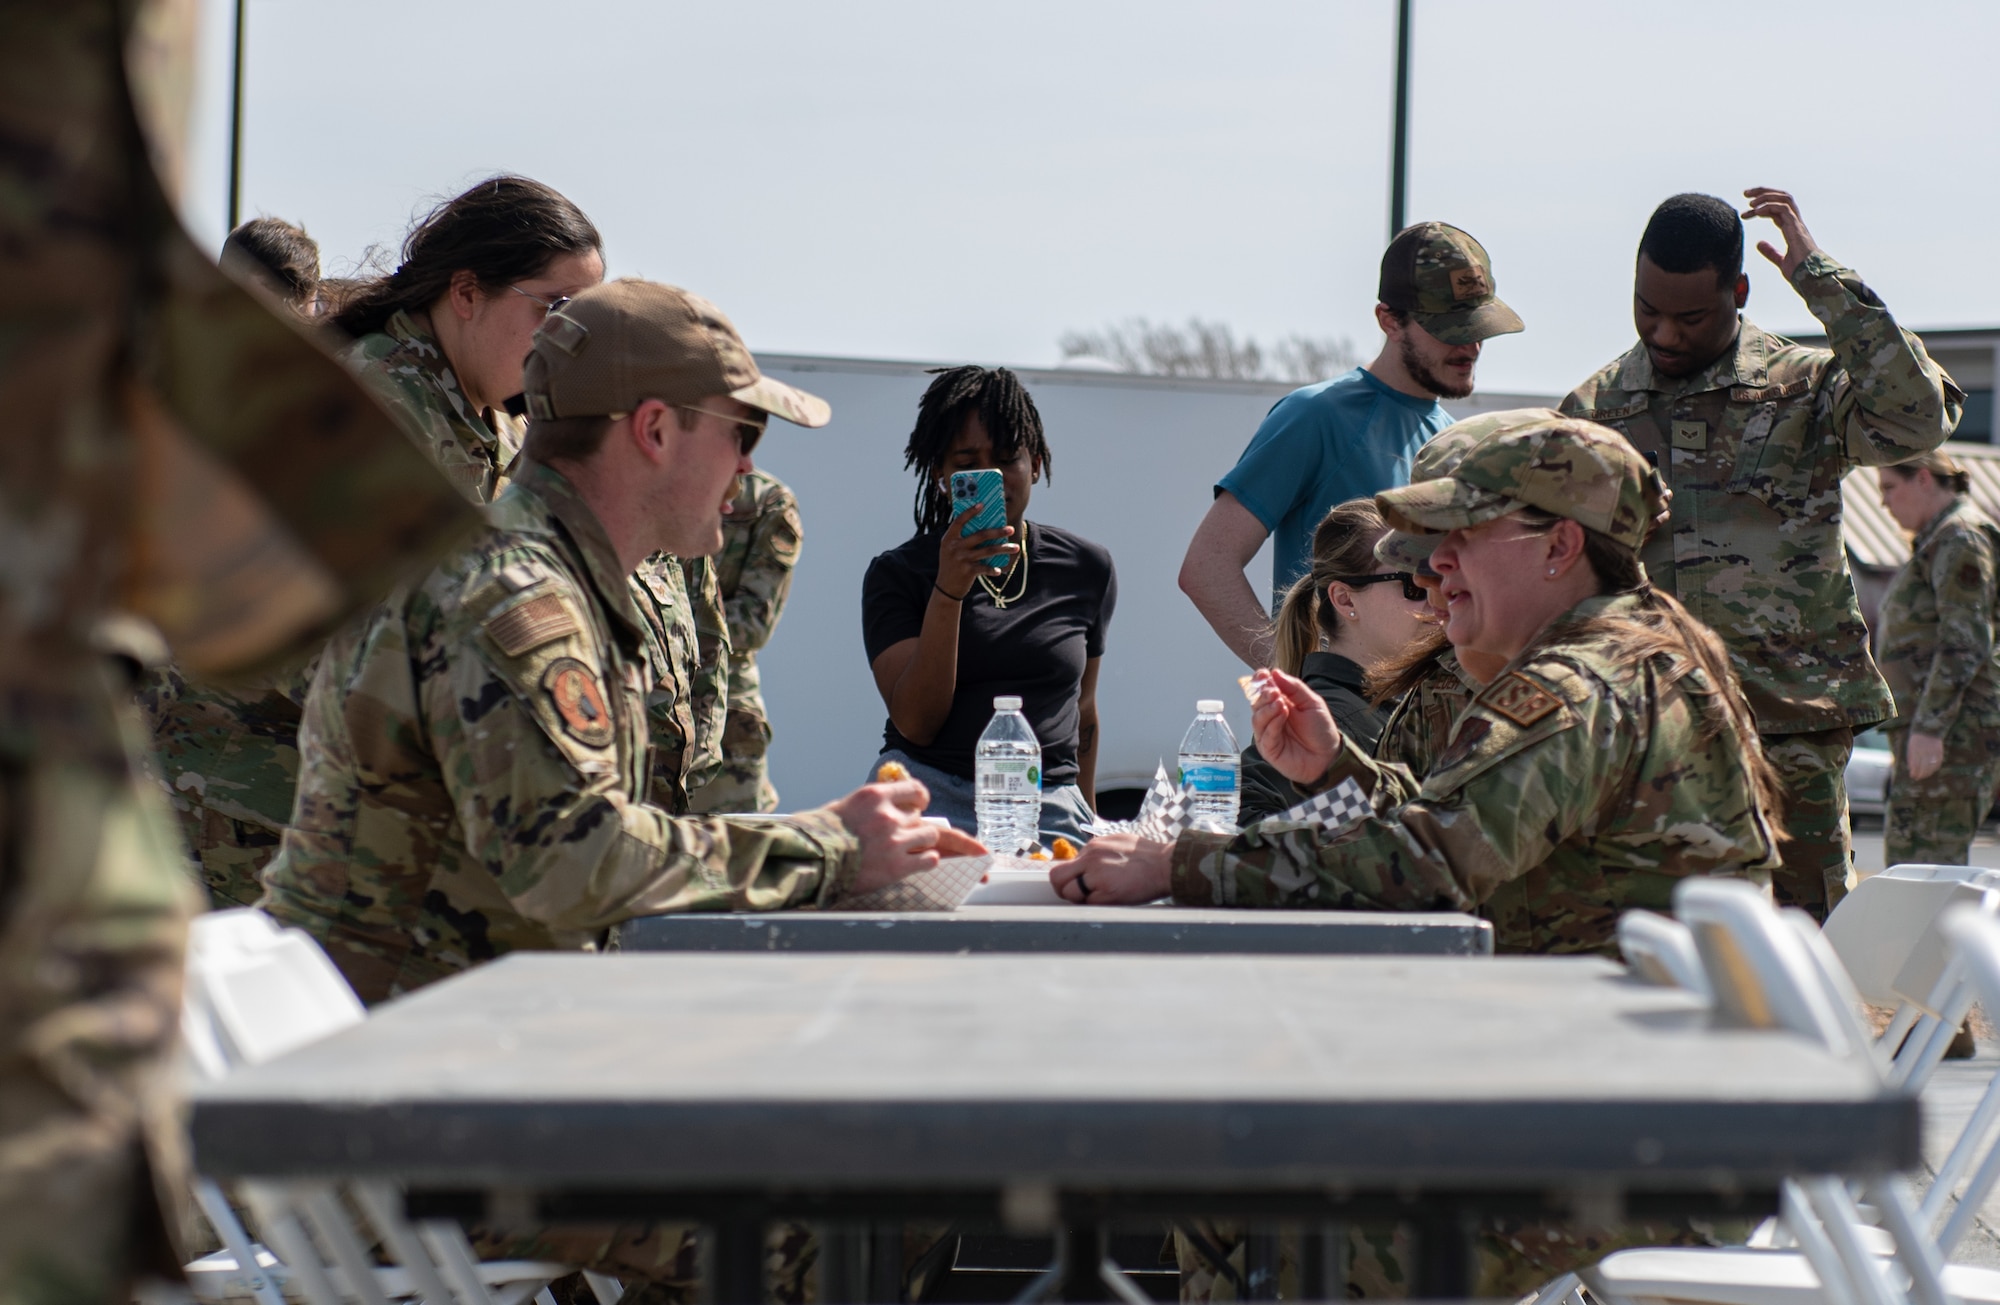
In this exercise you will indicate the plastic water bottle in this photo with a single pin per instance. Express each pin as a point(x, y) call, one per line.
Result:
point(1007, 781)
point(1211, 770)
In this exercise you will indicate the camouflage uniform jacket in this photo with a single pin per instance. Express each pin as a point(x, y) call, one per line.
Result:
point(687, 651)
point(1754, 448)
point(1420, 725)
point(1577, 785)
point(476, 451)
point(1937, 624)
point(761, 538)
point(406, 368)
point(477, 757)
point(232, 748)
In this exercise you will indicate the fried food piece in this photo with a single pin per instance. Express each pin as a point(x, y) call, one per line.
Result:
point(1063, 849)
point(891, 772)
point(1246, 683)
point(1039, 854)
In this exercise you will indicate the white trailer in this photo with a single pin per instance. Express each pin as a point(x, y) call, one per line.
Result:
point(1135, 462)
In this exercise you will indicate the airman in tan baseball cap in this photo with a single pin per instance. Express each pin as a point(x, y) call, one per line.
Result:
point(618, 344)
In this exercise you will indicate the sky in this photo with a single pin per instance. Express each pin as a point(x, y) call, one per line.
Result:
point(960, 181)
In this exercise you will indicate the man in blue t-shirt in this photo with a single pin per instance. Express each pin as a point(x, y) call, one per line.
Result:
point(1349, 437)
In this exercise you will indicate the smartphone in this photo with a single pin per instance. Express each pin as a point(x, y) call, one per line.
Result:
point(985, 489)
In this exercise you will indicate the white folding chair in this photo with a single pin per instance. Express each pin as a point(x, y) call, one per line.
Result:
point(1775, 970)
point(256, 991)
point(1662, 951)
point(1885, 933)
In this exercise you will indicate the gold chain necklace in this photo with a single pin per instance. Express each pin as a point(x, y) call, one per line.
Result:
point(993, 590)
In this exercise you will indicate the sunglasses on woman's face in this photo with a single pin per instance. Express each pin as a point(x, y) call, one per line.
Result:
point(1411, 589)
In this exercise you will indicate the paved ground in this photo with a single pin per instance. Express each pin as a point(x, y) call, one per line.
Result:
point(1948, 1102)
point(1868, 847)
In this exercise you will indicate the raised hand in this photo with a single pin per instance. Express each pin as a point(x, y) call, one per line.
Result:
point(962, 559)
point(1293, 728)
point(1782, 209)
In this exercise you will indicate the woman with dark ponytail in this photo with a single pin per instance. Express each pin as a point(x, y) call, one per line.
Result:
point(1937, 652)
point(442, 338)
point(1610, 756)
point(1340, 623)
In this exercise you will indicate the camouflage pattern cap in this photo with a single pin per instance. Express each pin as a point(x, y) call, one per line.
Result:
point(1443, 279)
point(1535, 457)
point(1407, 550)
point(618, 344)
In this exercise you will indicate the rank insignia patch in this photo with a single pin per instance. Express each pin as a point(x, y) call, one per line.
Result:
point(579, 702)
point(1520, 699)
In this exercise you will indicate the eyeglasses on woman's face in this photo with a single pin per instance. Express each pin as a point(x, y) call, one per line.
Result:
point(548, 305)
point(1411, 589)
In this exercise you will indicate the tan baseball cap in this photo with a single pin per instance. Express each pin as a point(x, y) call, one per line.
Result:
point(1442, 278)
point(616, 345)
point(1536, 457)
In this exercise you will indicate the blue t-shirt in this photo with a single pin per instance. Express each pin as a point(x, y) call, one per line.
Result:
point(1350, 437)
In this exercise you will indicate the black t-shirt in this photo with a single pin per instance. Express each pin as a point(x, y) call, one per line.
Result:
point(1036, 648)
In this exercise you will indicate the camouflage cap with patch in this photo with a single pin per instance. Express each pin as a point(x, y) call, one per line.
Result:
point(618, 344)
point(1535, 457)
point(1410, 550)
point(1442, 278)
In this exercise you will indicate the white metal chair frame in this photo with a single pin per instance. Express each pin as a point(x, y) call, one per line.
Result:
point(256, 991)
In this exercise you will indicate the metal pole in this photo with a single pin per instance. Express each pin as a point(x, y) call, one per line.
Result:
point(1400, 166)
point(236, 126)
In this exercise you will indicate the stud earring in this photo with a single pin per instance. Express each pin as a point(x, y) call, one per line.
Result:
point(1552, 573)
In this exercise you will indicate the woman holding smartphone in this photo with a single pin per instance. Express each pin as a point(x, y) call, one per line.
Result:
point(947, 631)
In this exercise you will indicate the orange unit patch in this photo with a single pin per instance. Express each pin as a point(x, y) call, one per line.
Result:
point(1520, 699)
point(579, 701)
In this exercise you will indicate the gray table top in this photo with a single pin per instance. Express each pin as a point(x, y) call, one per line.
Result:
point(870, 1071)
point(1141, 929)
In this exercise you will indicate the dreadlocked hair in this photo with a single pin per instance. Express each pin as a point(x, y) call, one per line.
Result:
point(1664, 629)
point(1004, 408)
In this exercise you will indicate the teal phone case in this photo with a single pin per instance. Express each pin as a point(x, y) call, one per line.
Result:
point(986, 489)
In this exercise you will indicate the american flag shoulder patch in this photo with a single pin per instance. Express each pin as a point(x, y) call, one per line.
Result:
point(528, 625)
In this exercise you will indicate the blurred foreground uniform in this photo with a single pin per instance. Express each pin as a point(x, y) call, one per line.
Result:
point(760, 547)
point(228, 753)
point(175, 450)
point(1754, 448)
point(1939, 657)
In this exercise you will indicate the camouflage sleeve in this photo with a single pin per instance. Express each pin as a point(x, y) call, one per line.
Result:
point(1887, 401)
point(1961, 573)
point(708, 683)
point(1503, 796)
point(759, 598)
point(549, 808)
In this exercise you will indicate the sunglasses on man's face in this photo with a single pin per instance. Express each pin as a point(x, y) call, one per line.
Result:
point(748, 430)
point(1411, 589)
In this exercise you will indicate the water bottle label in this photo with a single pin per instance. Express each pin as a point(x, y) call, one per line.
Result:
point(1209, 779)
point(1004, 777)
